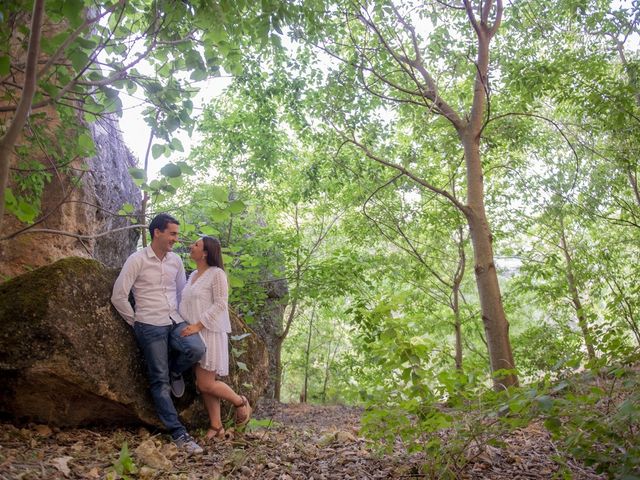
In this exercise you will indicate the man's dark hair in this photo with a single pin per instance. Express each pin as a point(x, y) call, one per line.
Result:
point(160, 222)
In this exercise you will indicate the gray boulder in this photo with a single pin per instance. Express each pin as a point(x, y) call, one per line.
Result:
point(68, 359)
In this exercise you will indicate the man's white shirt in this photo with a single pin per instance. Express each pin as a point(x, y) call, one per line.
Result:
point(156, 285)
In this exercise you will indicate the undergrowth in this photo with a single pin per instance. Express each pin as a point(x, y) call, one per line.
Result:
point(592, 416)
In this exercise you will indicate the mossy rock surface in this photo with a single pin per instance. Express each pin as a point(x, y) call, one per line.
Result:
point(68, 359)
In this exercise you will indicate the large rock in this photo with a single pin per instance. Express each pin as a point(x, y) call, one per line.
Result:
point(109, 186)
point(75, 195)
point(68, 359)
point(80, 204)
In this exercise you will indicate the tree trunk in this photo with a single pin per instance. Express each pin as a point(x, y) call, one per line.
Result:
point(307, 353)
point(277, 382)
point(455, 298)
point(9, 139)
point(583, 323)
point(493, 317)
point(458, 330)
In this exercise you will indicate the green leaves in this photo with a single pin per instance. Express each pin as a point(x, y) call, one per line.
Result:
point(125, 465)
point(219, 194)
point(23, 210)
point(140, 48)
point(86, 146)
point(72, 10)
point(157, 150)
point(5, 65)
point(236, 206)
point(139, 176)
point(242, 366)
point(171, 170)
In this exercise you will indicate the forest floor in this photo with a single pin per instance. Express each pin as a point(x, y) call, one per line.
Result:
point(294, 441)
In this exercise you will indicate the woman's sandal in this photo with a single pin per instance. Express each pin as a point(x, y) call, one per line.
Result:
point(242, 420)
point(215, 434)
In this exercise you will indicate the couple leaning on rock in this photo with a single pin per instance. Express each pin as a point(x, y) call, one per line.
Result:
point(178, 323)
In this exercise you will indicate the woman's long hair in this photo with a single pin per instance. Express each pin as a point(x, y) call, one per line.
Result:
point(214, 252)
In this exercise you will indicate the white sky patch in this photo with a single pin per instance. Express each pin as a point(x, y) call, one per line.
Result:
point(136, 132)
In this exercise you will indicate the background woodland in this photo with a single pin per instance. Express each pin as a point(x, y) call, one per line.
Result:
point(449, 189)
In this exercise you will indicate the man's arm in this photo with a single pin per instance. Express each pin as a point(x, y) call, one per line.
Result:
point(122, 287)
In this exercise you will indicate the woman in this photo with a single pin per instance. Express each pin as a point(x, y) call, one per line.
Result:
point(204, 307)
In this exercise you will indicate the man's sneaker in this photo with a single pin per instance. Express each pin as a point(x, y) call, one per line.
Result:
point(188, 444)
point(177, 384)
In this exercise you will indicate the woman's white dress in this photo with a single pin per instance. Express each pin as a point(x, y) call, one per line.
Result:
point(205, 300)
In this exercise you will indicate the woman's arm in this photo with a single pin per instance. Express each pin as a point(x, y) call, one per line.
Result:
point(220, 291)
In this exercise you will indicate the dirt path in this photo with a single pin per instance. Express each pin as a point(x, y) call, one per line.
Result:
point(292, 442)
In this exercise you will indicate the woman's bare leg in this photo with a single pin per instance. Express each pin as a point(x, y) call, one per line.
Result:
point(212, 386)
point(212, 405)
point(211, 402)
point(208, 384)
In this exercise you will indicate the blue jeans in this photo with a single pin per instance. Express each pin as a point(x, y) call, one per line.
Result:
point(164, 351)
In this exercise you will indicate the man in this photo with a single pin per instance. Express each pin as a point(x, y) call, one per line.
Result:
point(156, 277)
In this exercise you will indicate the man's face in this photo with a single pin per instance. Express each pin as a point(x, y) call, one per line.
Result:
point(165, 240)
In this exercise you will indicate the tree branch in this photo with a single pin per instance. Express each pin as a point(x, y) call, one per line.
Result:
point(429, 90)
point(24, 107)
point(75, 34)
point(69, 234)
point(456, 203)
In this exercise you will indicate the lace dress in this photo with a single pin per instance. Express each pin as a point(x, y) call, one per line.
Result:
point(205, 300)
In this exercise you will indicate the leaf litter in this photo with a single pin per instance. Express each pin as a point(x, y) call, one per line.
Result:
point(289, 442)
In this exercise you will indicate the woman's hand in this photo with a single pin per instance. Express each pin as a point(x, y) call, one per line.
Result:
point(191, 329)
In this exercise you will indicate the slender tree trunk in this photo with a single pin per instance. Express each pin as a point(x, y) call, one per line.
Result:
point(9, 139)
point(277, 384)
point(455, 298)
point(279, 341)
point(145, 195)
point(583, 322)
point(493, 316)
point(143, 219)
point(494, 319)
point(307, 354)
point(458, 331)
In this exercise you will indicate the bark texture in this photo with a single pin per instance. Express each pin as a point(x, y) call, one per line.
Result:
point(268, 326)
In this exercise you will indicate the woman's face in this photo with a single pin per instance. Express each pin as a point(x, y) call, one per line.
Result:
point(197, 251)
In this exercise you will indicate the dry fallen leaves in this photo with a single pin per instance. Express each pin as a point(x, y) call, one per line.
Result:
point(303, 442)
